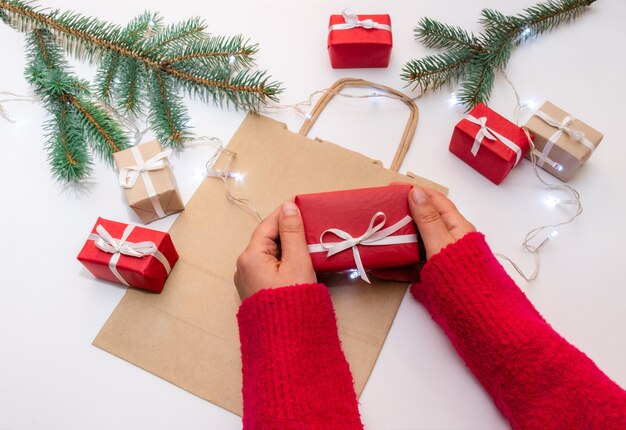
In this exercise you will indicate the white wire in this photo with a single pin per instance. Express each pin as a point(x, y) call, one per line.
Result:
point(299, 107)
point(575, 201)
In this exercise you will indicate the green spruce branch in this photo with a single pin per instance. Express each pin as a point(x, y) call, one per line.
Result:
point(473, 60)
point(142, 68)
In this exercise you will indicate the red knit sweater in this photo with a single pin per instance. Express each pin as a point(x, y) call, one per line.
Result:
point(295, 375)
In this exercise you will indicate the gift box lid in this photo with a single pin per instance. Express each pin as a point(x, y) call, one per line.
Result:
point(360, 35)
point(502, 126)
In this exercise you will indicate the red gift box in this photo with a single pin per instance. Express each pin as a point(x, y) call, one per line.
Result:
point(130, 255)
point(359, 41)
point(488, 142)
point(368, 228)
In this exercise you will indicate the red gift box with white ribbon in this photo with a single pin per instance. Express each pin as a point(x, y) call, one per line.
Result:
point(359, 41)
point(130, 255)
point(368, 228)
point(489, 143)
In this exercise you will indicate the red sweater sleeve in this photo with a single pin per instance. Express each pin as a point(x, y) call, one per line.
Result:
point(536, 378)
point(295, 375)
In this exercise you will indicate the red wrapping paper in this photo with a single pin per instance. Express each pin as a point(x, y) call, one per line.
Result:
point(352, 212)
point(359, 47)
point(494, 159)
point(146, 273)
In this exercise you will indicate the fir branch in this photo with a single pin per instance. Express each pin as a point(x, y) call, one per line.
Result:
point(178, 34)
point(105, 134)
point(106, 76)
point(434, 34)
point(214, 52)
point(167, 116)
point(129, 92)
point(433, 71)
point(65, 96)
point(90, 39)
point(142, 64)
point(474, 59)
point(477, 87)
point(67, 153)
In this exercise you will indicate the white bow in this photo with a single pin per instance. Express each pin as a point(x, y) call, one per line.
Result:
point(372, 236)
point(352, 21)
point(486, 132)
point(107, 243)
point(129, 175)
point(563, 127)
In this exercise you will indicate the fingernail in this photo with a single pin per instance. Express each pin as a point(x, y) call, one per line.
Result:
point(290, 208)
point(418, 196)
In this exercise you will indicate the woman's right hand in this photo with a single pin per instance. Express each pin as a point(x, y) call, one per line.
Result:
point(440, 224)
point(438, 220)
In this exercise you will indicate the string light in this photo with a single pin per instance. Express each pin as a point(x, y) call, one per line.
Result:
point(453, 100)
point(226, 174)
point(271, 108)
point(353, 274)
point(231, 59)
point(4, 113)
point(552, 201)
point(530, 103)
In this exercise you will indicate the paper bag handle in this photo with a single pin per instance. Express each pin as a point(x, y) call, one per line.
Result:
point(409, 130)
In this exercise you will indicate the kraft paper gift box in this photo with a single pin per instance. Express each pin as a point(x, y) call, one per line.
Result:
point(489, 143)
point(367, 228)
point(148, 181)
point(130, 255)
point(562, 143)
point(359, 41)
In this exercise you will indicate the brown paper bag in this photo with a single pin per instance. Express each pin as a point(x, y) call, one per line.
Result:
point(188, 334)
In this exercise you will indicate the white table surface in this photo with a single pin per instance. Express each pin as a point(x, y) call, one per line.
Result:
point(51, 377)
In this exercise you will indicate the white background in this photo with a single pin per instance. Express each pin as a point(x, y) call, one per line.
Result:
point(51, 308)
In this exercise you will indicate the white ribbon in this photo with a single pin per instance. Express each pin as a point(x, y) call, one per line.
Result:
point(373, 236)
point(562, 127)
point(118, 247)
point(353, 21)
point(128, 175)
point(486, 132)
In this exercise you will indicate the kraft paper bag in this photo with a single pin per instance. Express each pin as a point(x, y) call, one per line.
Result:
point(188, 334)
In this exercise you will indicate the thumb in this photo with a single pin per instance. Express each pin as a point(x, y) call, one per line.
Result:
point(429, 222)
point(291, 230)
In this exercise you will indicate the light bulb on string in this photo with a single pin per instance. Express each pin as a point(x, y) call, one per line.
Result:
point(354, 274)
point(231, 60)
point(525, 34)
point(453, 100)
point(552, 201)
point(530, 103)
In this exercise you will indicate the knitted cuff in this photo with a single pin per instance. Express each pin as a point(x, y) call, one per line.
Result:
point(294, 371)
point(472, 297)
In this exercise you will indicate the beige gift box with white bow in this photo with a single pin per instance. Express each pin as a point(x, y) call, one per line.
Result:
point(562, 143)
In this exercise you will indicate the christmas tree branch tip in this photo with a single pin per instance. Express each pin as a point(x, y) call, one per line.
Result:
point(473, 60)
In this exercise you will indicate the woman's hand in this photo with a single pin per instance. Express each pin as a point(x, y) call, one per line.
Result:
point(438, 220)
point(277, 254)
point(439, 223)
